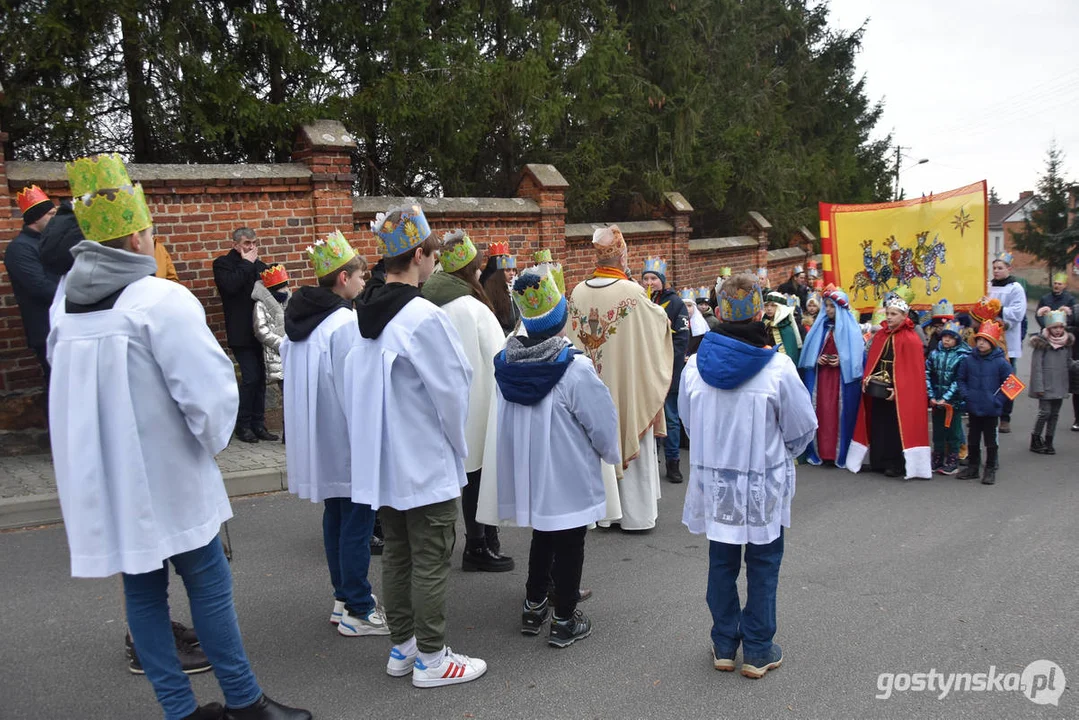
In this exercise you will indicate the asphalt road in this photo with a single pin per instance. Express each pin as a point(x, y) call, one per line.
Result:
point(880, 576)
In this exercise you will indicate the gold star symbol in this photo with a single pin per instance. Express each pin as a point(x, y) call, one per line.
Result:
point(962, 221)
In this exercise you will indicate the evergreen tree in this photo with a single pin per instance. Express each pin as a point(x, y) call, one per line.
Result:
point(1043, 233)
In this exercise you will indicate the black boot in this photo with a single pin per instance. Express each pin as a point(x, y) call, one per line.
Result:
point(211, 711)
point(246, 435)
point(263, 434)
point(989, 476)
point(1036, 445)
point(971, 471)
point(1048, 449)
point(479, 557)
point(674, 471)
point(266, 709)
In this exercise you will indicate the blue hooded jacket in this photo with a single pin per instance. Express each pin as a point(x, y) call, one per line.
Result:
point(980, 378)
point(726, 363)
point(526, 383)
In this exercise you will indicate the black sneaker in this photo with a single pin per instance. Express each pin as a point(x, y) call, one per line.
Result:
point(566, 632)
point(184, 634)
point(483, 559)
point(192, 660)
point(533, 617)
point(266, 709)
point(246, 435)
point(263, 434)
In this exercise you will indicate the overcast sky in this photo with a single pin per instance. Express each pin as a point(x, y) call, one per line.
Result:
point(979, 87)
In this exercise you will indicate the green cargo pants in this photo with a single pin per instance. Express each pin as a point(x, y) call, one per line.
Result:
point(416, 571)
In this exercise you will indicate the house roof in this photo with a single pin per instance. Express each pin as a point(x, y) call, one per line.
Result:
point(999, 213)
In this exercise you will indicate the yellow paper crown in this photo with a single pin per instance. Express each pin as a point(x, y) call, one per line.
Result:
point(107, 204)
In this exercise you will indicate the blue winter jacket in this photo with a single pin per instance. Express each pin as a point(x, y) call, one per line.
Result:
point(942, 374)
point(980, 378)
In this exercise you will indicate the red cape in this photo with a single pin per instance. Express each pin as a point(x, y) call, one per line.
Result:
point(911, 399)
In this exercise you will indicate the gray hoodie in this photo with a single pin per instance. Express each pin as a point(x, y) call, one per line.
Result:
point(100, 271)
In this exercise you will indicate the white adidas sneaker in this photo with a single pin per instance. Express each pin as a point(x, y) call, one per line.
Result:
point(400, 664)
point(373, 624)
point(453, 670)
point(338, 611)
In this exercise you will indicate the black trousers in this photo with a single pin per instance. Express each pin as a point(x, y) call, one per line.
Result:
point(556, 556)
point(1009, 405)
point(1075, 407)
point(982, 427)
point(477, 534)
point(252, 412)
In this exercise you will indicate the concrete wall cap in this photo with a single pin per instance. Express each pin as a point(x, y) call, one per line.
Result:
point(435, 207)
point(804, 232)
point(775, 256)
point(577, 231)
point(327, 134)
point(722, 243)
point(20, 172)
point(546, 176)
point(675, 201)
point(758, 220)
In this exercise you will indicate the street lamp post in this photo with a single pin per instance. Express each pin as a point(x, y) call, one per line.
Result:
point(898, 158)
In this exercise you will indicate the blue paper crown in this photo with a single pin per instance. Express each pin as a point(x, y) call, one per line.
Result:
point(656, 266)
point(951, 327)
point(687, 294)
point(505, 262)
point(410, 230)
point(1056, 317)
point(942, 308)
point(738, 305)
point(1005, 257)
point(703, 292)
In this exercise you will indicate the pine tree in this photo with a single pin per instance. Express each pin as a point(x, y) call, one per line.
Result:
point(1043, 233)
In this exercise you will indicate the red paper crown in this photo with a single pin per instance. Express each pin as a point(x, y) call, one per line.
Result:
point(29, 197)
point(274, 276)
point(498, 248)
point(991, 331)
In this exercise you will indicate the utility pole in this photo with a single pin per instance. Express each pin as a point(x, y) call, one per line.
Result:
point(898, 156)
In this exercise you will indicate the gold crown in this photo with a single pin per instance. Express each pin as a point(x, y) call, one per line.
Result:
point(107, 204)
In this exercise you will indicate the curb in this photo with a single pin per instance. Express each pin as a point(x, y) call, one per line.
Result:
point(28, 511)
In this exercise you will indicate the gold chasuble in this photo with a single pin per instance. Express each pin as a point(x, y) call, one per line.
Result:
point(628, 338)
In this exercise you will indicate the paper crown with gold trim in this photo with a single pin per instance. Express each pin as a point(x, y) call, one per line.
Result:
point(943, 309)
point(406, 232)
point(894, 300)
point(687, 295)
point(542, 306)
point(460, 254)
point(724, 272)
point(1060, 277)
point(545, 264)
point(986, 309)
point(331, 254)
point(273, 276)
point(992, 331)
point(952, 327)
point(505, 262)
point(107, 205)
point(703, 293)
point(1056, 317)
point(31, 197)
point(813, 297)
point(741, 304)
point(656, 266)
point(498, 248)
point(1005, 257)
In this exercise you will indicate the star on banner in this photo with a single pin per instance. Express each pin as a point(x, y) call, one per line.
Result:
point(962, 221)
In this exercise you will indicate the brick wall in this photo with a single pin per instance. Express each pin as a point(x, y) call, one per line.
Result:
point(196, 208)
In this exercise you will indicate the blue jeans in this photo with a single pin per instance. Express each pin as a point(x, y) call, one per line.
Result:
point(208, 581)
point(673, 441)
point(755, 626)
point(346, 533)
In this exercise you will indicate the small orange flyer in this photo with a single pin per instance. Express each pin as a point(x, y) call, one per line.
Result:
point(1012, 387)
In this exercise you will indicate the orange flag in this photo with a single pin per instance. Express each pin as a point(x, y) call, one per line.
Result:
point(1012, 387)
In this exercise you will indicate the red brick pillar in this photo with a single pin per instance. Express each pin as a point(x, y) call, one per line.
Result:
point(5, 193)
point(760, 230)
point(546, 186)
point(679, 274)
point(326, 147)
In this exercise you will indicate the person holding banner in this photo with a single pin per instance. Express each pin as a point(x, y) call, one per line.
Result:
point(891, 427)
point(831, 360)
point(1013, 302)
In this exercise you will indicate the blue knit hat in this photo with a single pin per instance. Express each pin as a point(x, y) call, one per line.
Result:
point(543, 308)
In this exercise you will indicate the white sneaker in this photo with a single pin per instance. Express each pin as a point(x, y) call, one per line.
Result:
point(400, 664)
point(373, 624)
point(338, 611)
point(454, 669)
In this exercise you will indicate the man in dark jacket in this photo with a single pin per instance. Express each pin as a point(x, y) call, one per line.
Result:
point(235, 275)
point(654, 279)
point(34, 286)
point(1057, 298)
point(797, 285)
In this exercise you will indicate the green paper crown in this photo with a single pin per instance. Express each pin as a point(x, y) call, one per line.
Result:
point(542, 256)
point(536, 302)
point(459, 256)
point(107, 205)
point(331, 254)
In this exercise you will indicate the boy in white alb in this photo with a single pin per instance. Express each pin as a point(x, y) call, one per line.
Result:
point(318, 319)
point(556, 423)
point(737, 387)
point(404, 385)
point(142, 398)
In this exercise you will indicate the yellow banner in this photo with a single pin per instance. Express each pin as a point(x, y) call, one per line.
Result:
point(935, 245)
